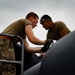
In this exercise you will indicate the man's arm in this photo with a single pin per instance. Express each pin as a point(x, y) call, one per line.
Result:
point(63, 32)
point(63, 29)
point(31, 49)
point(31, 37)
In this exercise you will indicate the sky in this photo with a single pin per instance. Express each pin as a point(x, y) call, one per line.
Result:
point(59, 10)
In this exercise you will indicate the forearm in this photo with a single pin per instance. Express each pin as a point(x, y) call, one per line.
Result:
point(31, 37)
point(33, 50)
point(37, 41)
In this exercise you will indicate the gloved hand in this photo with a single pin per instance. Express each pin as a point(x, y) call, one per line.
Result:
point(46, 46)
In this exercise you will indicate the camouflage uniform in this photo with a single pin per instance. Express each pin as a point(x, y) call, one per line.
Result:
point(7, 53)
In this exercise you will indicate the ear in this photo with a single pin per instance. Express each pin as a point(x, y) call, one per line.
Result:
point(31, 18)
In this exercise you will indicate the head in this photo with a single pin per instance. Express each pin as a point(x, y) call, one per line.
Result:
point(46, 22)
point(33, 17)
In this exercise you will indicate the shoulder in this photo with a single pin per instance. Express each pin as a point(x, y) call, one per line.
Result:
point(25, 21)
point(60, 25)
point(60, 22)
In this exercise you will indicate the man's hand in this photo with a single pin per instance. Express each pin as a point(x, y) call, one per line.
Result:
point(46, 46)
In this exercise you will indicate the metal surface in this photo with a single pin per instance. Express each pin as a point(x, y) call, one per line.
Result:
point(60, 58)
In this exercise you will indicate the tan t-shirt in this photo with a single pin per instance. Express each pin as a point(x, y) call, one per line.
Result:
point(18, 28)
point(54, 33)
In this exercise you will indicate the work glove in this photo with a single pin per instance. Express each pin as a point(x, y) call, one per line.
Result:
point(46, 45)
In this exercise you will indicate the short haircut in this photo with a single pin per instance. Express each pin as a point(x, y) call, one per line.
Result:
point(31, 14)
point(44, 18)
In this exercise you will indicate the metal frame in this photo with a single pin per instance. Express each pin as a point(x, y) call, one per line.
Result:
point(22, 57)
